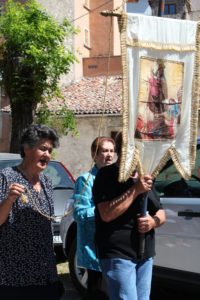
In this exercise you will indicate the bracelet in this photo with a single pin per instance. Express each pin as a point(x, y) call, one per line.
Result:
point(156, 220)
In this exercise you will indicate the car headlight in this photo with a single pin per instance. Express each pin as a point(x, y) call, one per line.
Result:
point(69, 207)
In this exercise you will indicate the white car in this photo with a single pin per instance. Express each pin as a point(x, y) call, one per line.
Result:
point(177, 262)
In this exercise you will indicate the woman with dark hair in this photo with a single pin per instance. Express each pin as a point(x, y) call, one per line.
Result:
point(27, 260)
point(102, 152)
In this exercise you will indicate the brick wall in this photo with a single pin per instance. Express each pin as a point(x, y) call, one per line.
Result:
point(97, 66)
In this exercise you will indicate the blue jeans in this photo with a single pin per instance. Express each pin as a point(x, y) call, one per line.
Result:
point(127, 279)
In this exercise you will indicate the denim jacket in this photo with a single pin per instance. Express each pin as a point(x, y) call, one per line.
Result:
point(84, 216)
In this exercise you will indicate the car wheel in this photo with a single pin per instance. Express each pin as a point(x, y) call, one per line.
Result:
point(78, 275)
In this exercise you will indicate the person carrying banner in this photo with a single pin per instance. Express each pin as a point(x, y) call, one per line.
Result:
point(118, 228)
point(102, 151)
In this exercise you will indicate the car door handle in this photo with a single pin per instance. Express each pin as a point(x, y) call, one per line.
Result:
point(191, 214)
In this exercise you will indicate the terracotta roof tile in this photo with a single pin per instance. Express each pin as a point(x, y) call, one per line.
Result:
point(87, 96)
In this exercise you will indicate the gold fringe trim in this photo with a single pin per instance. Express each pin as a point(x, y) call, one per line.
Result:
point(195, 101)
point(122, 21)
point(171, 153)
point(135, 162)
point(134, 165)
point(160, 46)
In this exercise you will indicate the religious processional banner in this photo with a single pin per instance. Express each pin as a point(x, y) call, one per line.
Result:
point(161, 64)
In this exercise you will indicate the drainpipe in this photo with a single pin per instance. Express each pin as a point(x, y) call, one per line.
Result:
point(161, 8)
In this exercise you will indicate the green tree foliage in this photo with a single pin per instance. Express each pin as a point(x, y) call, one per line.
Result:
point(33, 59)
point(63, 120)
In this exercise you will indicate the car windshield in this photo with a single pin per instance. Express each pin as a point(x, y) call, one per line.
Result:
point(59, 175)
point(55, 170)
point(9, 163)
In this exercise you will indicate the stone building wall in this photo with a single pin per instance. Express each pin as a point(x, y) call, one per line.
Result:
point(74, 152)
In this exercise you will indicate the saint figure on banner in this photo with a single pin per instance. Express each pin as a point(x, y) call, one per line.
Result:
point(157, 89)
point(160, 99)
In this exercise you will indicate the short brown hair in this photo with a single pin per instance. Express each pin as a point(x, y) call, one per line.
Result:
point(97, 144)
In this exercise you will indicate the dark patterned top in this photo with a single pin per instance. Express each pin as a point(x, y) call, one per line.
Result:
point(26, 242)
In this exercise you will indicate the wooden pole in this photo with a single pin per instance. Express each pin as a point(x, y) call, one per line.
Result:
point(144, 212)
point(111, 13)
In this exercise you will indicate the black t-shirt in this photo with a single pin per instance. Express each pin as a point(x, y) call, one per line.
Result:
point(120, 237)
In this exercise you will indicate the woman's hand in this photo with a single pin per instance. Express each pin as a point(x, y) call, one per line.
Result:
point(15, 190)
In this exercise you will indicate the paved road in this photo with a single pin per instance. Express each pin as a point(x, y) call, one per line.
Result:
point(70, 291)
point(63, 271)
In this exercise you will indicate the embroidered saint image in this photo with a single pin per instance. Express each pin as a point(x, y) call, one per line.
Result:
point(160, 99)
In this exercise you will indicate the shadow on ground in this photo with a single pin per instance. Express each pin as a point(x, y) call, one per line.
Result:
point(166, 293)
point(63, 272)
point(70, 291)
point(60, 257)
